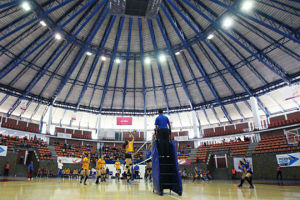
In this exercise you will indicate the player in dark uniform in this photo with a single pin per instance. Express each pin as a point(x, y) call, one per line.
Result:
point(246, 168)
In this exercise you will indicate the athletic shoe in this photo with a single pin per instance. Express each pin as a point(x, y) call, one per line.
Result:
point(240, 185)
point(251, 187)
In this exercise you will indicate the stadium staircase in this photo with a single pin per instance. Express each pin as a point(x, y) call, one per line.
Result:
point(251, 148)
point(53, 152)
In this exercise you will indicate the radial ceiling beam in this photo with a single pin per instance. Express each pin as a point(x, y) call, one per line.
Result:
point(97, 80)
point(267, 37)
point(172, 79)
point(11, 3)
point(142, 62)
point(34, 19)
point(79, 55)
point(50, 61)
point(127, 64)
point(174, 60)
point(261, 57)
point(86, 57)
point(116, 79)
point(112, 59)
point(23, 71)
point(192, 53)
point(10, 67)
point(134, 82)
point(286, 31)
point(235, 51)
point(216, 115)
point(158, 63)
point(98, 54)
point(283, 7)
point(153, 85)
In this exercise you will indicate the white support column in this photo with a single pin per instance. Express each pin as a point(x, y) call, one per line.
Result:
point(98, 126)
point(195, 129)
point(256, 116)
point(49, 119)
point(145, 128)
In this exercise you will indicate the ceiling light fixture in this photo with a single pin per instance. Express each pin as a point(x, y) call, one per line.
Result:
point(162, 58)
point(88, 53)
point(26, 6)
point(227, 22)
point(210, 36)
point(103, 58)
point(43, 23)
point(177, 53)
point(247, 5)
point(58, 36)
point(118, 61)
point(147, 60)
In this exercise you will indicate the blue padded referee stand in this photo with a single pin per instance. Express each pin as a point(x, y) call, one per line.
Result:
point(165, 171)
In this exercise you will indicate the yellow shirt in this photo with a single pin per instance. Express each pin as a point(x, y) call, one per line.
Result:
point(99, 163)
point(75, 171)
point(117, 165)
point(67, 171)
point(129, 147)
point(86, 163)
point(102, 164)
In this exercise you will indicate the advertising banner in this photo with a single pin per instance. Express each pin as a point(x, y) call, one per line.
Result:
point(3, 150)
point(236, 161)
point(121, 121)
point(181, 138)
point(184, 161)
point(69, 160)
point(288, 160)
point(64, 135)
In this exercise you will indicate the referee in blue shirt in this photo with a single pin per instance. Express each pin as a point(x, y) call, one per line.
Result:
point(163, 130)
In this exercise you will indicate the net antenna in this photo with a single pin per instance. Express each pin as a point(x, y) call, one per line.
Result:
point(292, 136)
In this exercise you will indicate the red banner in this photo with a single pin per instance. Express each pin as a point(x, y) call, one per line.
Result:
point(184, 161)
point(124, 121)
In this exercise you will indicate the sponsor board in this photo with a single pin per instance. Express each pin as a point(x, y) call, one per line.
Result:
point(69, 160)
point(3, 150)
point(64, 135)
point(181, 138)
point(184, 161)
point(121, 121)
point(288, 160)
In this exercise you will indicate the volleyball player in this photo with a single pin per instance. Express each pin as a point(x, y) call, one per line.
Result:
point(196, 173)
point(128, 157)
point(102, 168)
point(118, 169)
point(59, 166)
point(148, 163)
point(247, 173)
point(98, 169)
point(85, 169)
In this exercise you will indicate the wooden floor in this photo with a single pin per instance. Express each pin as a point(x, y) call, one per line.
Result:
point(52, 189)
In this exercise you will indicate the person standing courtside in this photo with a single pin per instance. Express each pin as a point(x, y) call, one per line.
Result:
point(163, 130)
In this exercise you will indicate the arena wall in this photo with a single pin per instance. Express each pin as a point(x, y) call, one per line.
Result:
point(11, 157)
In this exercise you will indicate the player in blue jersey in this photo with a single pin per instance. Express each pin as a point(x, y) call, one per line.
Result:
point(246, 169)
point(148, 173)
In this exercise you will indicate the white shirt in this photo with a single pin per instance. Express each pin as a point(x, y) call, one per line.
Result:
point(60, 165)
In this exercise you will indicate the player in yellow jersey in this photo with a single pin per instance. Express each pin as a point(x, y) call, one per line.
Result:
point(102, 168)
point(118, 168)
point(98, 168)
point(85, 168)
point(128, 157)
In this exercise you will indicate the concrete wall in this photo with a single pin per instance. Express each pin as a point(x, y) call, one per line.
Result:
point(11, 157)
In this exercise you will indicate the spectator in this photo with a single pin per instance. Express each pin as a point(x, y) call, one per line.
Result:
point(30, 171)
point(233, 172)
point(6, 169)
point(279, 172)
